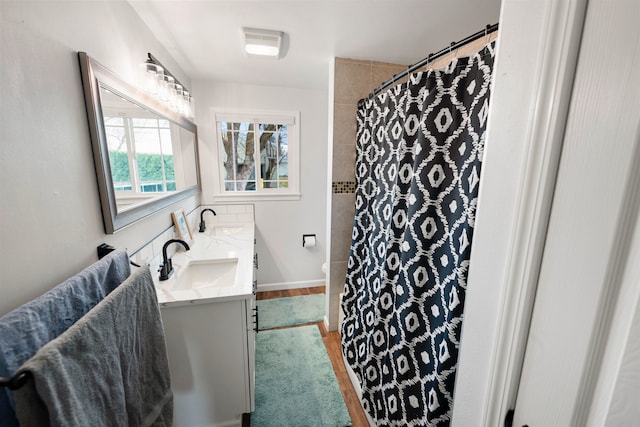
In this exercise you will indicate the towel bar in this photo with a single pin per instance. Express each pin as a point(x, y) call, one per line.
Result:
point(16, 381)
point(104, 249)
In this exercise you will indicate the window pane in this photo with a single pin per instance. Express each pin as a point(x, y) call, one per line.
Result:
point(238, 155)
point(268, 154)
point(283, 153)
point(149, 155)
point(113, 121)
point(167, 156)
point(246, 185)
point(150, 123)
point(118, 154)
point(273, 155)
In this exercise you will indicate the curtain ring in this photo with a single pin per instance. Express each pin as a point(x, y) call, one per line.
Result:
point(429, 61)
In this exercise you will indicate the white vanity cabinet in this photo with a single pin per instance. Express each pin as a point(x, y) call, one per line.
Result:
point(211, 348)
point(210, 327)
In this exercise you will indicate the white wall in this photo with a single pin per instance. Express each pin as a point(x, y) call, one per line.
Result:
point(50, 218)
point(284, 263)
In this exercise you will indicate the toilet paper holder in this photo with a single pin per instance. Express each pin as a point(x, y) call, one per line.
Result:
point(308, 240)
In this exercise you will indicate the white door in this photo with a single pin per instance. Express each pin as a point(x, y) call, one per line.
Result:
point(582, 360)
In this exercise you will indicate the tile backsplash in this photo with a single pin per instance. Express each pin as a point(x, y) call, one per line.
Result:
point(228, 214)
point(225, 214)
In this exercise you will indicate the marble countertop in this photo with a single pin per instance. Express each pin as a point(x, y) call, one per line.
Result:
point(218, 242)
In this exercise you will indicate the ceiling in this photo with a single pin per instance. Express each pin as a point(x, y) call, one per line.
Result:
point(204, 36)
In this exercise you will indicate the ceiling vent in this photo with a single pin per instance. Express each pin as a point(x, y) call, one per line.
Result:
point(262, 43)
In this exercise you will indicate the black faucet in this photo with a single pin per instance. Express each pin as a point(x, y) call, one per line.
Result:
point(202, 224)
point(166, 269)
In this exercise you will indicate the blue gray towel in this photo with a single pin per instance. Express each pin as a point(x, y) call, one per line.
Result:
point(26, 329)
point(109, 369)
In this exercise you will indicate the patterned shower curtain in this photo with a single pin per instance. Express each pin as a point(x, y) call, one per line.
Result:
point(419, 154)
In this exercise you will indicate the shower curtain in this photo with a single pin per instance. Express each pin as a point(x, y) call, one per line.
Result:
point(419, 152)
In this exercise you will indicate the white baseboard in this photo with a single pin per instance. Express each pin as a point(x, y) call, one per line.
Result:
point(357, 388)
point(290, 285)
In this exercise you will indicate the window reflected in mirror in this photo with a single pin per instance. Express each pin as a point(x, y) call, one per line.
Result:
point(145, 151)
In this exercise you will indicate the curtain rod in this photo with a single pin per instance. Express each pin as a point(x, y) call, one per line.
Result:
point(430, 58)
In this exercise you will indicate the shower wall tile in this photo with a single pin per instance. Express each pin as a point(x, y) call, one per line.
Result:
point(343, 207)
point(352, 80)
point(342, 214)
point(344, 163)
point(338, 273)
point(343, 187)
point(389, 65)
point(344, 124)
point(382, 71)
point(340, 243)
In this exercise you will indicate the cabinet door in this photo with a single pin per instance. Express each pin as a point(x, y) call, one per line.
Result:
point(207, 348)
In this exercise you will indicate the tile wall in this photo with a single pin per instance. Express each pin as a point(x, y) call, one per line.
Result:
point(353, 80)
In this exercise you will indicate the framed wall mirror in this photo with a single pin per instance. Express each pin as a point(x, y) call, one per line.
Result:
point(145, 154)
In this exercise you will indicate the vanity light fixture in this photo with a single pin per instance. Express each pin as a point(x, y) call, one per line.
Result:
point(262, 43)
point(163, 86)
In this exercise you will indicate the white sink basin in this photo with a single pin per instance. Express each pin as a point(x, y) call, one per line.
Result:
point(225, 230)
point(208, 274)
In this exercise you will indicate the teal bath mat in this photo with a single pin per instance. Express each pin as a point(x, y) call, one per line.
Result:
point(295, 382)
point(289, 311)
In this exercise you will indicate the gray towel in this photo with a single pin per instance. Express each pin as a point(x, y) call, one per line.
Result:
point(26, 329)
point(109, 369)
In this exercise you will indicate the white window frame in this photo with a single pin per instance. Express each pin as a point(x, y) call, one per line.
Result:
point(292, 120)
point(134, 174)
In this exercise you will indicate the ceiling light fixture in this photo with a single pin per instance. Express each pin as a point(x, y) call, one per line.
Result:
point(263, 43)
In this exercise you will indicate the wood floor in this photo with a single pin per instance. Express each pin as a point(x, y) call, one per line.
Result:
point(332, 343)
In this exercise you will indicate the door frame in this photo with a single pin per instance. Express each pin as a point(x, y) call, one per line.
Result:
point(538, 47)
point(588, 262)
